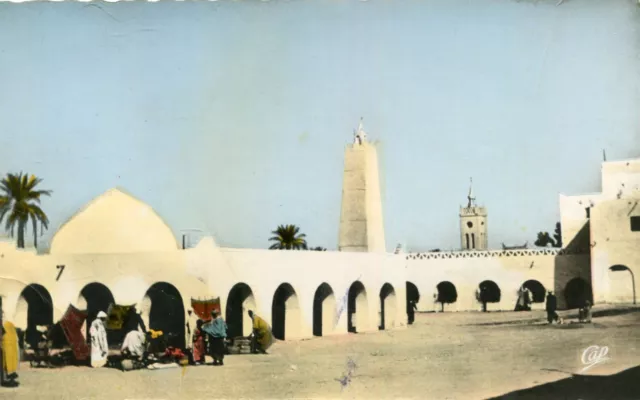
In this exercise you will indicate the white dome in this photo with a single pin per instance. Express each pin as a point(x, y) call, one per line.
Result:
point(114, 222)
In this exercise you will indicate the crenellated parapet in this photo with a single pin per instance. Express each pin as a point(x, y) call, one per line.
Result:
point(473, 211)
point(443, 255)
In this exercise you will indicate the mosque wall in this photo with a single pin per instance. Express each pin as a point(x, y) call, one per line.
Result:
point(509, 269)
point(265, 271)
point(207, 271)
point(127, 277)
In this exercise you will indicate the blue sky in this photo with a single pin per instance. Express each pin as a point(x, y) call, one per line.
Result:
point(232, 117)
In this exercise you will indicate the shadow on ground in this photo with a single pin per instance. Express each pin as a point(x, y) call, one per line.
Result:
point(565, 314)
point(623, 385)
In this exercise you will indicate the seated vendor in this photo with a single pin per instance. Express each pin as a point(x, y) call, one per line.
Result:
point(262, 337)
point(134, 345)
point(584, 314)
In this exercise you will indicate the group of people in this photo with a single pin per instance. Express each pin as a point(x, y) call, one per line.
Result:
point(207, 338)
point(134, 344)
point(213, 334)
point(138, 343)
point(584, 312)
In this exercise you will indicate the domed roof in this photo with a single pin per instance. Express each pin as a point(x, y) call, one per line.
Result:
point(114, 222)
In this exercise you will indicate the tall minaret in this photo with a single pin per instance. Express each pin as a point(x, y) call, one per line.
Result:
point(473, 224)
point(361, 224)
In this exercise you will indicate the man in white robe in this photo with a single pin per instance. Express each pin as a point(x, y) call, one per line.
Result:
point(134, 344)
point(192, 320)
point(99, 346)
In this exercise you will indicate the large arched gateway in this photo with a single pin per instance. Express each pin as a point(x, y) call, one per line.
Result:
point(164, 308)
point(577, 292)
point(239, 302)
point(324, 310)
point(285, 313)
point(34, 308)
point(622, 287)
point(94, 297)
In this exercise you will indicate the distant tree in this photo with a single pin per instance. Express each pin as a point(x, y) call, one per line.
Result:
point(20, 202)
point(544, 238)
point(287, 237)
point(558, 235)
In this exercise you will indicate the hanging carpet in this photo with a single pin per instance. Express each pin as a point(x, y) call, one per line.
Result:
point(117, 316)
point(203, 308)
point(71, 324)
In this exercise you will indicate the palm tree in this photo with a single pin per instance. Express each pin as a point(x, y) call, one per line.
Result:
point(19, 202)
point(287, 238)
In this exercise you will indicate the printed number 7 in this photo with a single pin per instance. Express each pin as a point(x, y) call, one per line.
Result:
point(61, 268)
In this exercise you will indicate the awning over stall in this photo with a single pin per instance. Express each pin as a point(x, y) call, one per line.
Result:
point(203, 307)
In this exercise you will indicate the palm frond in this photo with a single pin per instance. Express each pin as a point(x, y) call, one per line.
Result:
point(11, 221)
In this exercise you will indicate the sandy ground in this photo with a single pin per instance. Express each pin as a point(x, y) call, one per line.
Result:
point(441, 356)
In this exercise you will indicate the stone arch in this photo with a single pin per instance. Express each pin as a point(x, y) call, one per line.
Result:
point(285, 313)
point(446, 293)
point(388, 307)
point(621, 284)
point(34, 307)
point(488, 292)
point(93, 298)
point(358, 308)
point(537, 289)
point(324, 310)
point(163, 308)
point(239, 301)
point(576, 292)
